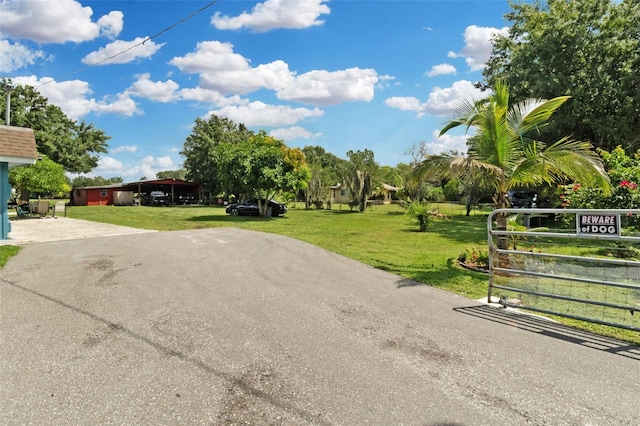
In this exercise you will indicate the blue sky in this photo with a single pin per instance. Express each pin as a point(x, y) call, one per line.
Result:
point(341, 74)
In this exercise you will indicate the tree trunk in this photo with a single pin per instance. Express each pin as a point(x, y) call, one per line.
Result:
point(423, 221)
point(501, 222)
point(502, 201)
point(25, 195)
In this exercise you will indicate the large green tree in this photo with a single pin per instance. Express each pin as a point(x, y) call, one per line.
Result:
point(326, 171)
point(45, 178)
point(586, 49)
point(362, 169)
point(84, 181)
point(172, 174)
point(200, 146)
point(74, 145)
point(506, 152)
point(262, 166)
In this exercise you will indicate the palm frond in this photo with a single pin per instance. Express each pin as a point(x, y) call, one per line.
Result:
point(519, 111)
point(564, 160)
point(577, 161)
point(433, 167)
point(467, 115)
point(538, 117)
point(503, 154)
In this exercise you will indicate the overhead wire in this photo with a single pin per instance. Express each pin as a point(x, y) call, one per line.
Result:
point(169, 28)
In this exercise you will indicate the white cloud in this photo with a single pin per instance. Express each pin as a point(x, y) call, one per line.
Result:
point(441, 101)
point(222, 70)
point(121, 105)
point(477, 49)
point(124, 148)
point(73, 97)
point(111, 24)
point(108, 166)
point(384, 81)
point(211, 56)
point(148, 168)
point(15, 56)
point(444, 101)
point(122, 52)
point(261, 114)
point(159, 91)
point(272, 14)
point(441, 69)
point(293, 133)
point(404, 103)
point(322, 88)
point(446, 143)
point(57, 21)
point(274, 75)
point(162, 163)
point(210, 96)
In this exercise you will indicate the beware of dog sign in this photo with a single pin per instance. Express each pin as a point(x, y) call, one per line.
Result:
point(598, 224)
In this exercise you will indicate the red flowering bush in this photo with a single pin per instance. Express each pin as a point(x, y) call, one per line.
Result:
point(624, 172)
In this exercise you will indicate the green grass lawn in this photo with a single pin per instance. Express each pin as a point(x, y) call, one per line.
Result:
point(7, 252)
point(382, 237)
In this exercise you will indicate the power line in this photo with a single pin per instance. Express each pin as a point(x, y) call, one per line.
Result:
point(169, 28)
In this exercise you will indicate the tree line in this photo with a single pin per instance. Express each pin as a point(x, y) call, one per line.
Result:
point(232, 161)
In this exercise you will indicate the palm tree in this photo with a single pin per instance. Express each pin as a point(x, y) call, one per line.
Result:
point(505, 154)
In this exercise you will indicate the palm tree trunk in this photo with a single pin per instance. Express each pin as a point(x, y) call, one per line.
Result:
point(501, 222)
point(502, 201)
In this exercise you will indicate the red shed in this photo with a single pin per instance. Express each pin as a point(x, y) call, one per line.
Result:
point(95, 195)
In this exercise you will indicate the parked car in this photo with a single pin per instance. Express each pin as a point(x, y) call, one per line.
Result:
point(250, 208)
point(524, 199)
point(186, 199)
point(158, 198)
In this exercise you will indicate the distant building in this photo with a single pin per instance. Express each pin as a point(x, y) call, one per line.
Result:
point(341, 194)
point(388, 191)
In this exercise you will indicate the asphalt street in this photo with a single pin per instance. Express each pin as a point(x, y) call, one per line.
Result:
point(227, 326)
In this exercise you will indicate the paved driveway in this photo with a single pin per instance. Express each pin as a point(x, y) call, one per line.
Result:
point(226, 326)
point(35, 230)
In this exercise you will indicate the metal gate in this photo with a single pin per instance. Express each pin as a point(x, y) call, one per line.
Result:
point(580, 264)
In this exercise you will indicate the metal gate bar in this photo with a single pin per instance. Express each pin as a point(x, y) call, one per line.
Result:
point(515, 270)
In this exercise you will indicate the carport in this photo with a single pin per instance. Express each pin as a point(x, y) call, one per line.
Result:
point(149, 192)
point(176, 191)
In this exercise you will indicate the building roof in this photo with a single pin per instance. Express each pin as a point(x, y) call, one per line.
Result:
point(390, 188)
point(17, 146)
point(145, 184)
point(169, 181)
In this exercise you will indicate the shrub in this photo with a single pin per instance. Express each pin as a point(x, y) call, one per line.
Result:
point(419, 212)
point(475, 257)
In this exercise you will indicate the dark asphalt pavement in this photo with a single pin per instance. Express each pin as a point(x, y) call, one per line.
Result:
point(226, 327)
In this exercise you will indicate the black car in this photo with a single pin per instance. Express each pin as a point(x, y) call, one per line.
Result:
point(250, 208)
point(526, 199)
